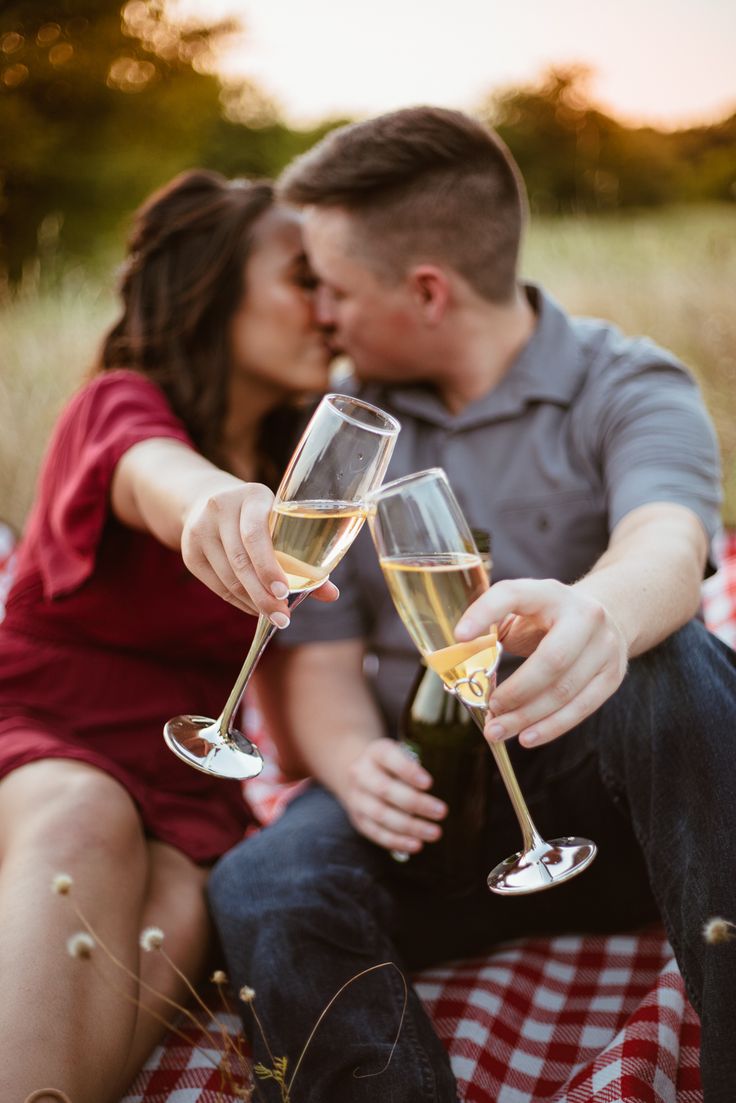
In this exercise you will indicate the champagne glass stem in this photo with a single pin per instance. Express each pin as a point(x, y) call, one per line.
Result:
point(263, 633)
point(532, 838)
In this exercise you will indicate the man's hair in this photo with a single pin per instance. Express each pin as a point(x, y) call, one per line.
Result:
point(423, 184)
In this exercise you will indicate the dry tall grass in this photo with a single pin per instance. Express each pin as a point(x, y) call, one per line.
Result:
point(47, 345)
point(670, 274)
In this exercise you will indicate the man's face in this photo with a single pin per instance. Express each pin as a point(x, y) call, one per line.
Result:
point(367, 316)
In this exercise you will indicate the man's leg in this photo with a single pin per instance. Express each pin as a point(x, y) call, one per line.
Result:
point(667, 750)
point(302, 908)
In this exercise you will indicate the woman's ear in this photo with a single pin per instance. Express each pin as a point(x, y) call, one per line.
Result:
point(430, 290)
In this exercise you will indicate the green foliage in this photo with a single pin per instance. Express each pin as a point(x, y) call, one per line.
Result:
point(98, 106)
point(94, 121)
point(574, 158)
point(277, 1073)
point(100, 103)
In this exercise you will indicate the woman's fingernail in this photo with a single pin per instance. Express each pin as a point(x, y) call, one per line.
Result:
point(280, 620)
point(497, 731)
point(530, 738)
point(279, 590)
point(461, 629)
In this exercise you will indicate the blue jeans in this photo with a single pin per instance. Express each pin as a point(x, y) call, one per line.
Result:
point(308, 903)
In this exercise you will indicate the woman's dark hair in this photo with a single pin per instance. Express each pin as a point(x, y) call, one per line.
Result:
point(181, 283)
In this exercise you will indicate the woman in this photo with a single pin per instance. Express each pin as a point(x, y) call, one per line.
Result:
point(161, 457)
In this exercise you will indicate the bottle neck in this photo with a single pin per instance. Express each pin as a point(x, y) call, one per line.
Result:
point(482, 540)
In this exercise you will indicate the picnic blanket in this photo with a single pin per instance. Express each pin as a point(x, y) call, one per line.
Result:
point(565, 1020)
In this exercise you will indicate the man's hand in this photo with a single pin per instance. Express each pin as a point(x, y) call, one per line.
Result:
point(579, 638)
point(577, 657)
point(226, 544)
point(386, 799)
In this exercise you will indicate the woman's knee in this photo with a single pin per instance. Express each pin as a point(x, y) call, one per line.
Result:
point(69, 810)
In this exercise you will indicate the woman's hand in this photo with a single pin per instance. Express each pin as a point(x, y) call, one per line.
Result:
point(577, 657)
point(217, 521)
point(226, 544)
point(385, 797)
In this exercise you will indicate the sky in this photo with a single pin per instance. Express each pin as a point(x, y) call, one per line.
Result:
point(664, 62)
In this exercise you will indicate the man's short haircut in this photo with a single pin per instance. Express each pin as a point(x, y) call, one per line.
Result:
point(426, 185)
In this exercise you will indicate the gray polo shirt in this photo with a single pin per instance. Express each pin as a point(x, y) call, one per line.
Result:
point(586, 426)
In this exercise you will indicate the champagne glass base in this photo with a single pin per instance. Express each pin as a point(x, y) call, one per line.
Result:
point(548, 864)
point(198, 742)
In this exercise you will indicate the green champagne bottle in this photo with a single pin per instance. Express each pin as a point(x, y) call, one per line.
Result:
point(440, 733)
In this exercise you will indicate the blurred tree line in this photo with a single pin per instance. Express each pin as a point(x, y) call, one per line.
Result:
point(101, 102)
point(575, 158)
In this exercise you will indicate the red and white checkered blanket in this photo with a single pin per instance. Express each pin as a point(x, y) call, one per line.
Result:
point(567, 1020)
point(564, 1020)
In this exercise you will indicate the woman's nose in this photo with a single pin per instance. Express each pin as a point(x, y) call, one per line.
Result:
point(323, 310)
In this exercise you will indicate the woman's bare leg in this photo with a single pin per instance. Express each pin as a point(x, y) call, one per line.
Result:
point(175, 902)
point(61, 1025)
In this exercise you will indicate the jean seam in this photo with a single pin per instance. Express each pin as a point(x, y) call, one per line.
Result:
point(429, 1081)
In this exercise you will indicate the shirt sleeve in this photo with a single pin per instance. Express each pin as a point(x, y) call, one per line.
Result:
point(107, 417)
point(654, 438)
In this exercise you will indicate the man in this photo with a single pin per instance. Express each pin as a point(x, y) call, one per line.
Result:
point(591, 460)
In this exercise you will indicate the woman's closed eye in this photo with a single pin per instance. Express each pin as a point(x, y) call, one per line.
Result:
point(303, 275)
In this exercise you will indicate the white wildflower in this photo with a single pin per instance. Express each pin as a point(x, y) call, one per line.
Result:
point(152, 938)
point(80, 945)
point(718, 930)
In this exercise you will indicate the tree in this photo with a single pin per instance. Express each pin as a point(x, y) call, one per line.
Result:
point(98, 106)
point(574, 157)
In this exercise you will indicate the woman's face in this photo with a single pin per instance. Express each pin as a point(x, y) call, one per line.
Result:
point(276, 341)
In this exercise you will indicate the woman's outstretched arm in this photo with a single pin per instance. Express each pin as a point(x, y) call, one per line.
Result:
point(219, 522)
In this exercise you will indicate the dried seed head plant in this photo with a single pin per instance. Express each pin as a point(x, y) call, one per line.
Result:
point(237, 1075)
point(718, 930)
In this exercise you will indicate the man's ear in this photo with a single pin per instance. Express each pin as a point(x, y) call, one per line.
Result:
point(430, 290)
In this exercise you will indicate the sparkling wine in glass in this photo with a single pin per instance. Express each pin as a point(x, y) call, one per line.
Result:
point(434, 572)
point(319, 508)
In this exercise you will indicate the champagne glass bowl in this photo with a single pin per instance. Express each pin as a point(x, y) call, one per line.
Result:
point(320, 507)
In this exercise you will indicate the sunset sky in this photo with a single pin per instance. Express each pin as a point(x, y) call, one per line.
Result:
point(666, 62)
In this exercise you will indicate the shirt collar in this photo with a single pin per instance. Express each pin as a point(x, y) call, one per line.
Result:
point(548, 369)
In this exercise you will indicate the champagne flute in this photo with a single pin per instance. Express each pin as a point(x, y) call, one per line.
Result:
point(320, 507)
point(434, 572)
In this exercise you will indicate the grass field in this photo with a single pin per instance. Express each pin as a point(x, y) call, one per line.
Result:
point(670, 274)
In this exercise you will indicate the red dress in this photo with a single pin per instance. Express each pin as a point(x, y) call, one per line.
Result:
point(107, 635)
